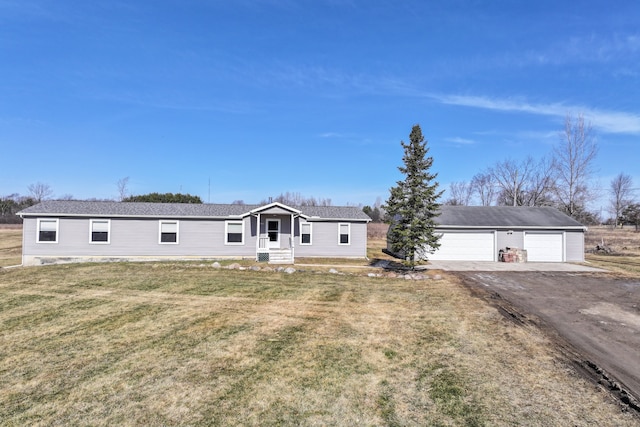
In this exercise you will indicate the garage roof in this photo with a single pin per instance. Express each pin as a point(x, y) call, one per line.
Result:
point(505, 217)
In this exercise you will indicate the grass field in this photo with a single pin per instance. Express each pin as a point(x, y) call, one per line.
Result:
point(624, 245)
point(10, 246)
point(179, 343)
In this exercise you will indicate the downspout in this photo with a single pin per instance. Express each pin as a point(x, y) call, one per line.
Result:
point(292, 240)
point(257, 236)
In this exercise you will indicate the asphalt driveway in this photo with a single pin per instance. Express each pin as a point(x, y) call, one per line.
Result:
point(598, 314)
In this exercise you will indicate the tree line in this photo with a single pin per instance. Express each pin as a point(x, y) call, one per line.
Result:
point(563, 179)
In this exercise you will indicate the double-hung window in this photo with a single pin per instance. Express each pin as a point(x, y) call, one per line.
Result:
point(305, 233)
point(169, 232)
point(47, 230)
point(234, 233)
point(99, 230)
point(344, 234)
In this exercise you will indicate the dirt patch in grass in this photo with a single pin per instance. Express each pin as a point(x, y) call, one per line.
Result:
point(165, 344)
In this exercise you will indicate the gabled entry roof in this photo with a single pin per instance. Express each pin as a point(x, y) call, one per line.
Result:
point(505, 217)
point(69, 208)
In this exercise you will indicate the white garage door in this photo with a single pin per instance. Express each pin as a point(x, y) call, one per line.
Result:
point(544, 247)
point(465, 247)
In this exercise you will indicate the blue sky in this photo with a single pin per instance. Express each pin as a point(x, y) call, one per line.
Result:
point(310, 96)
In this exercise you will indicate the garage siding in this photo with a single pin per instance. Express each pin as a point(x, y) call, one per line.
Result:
point(466, 246)
point(509, 239)
point(575, 246)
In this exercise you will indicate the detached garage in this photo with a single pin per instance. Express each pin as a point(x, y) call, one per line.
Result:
point(478, 233)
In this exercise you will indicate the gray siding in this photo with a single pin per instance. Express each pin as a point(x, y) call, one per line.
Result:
point(574, 244)
point(324, 239)
point(132, 238)
point(139, 238)
point(510, 239)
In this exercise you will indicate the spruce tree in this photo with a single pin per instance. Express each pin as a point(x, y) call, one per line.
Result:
point(412, 205)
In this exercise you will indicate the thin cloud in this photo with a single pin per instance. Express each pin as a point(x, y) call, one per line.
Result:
point(461, 141)
point(606, 121)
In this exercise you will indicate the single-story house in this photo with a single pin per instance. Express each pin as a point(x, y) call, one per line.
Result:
point(73, 231)
point(479, 233)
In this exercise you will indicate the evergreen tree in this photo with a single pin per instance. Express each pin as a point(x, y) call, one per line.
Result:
point(412, 205)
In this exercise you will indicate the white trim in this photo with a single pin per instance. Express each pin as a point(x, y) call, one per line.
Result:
point(226, 232)
point(510, 227)
point(310, 233)
point(164, 221)
point(271, 205)
point(91, 222)
point(340, 224)
point(39, 220)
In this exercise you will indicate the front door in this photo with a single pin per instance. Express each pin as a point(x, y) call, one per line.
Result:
point(273, 233)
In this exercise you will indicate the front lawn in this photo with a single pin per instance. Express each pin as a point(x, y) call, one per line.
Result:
point(182, 343)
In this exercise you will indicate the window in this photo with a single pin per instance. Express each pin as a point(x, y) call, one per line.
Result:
point(234, 232)
point(47, 231)
point(169, 232)
point(305, 233)
point(344, 232)
point(99, 229)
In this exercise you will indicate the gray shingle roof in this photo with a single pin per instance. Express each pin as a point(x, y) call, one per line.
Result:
point(176, 210)
point(504, 217)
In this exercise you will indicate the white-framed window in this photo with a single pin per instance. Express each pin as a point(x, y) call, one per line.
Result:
point(100, 231)
point(234, 232)
point(47, 230)
point(305, 233)
point(168, 232)
point(344, 234)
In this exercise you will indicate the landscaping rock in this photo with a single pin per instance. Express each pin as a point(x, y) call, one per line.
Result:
point(215, 265)
point(333, 271)
point(254, 268)
point(234, 266)
point(289, 270)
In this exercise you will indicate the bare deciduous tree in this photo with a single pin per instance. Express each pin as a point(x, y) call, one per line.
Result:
point(459, 194)
point(621, 195)
point(297, 199)
point(525, 183)
point(40, 191)
point(483, 185)
point(538, 189)
point(123, 189)
point(574, 157)
point(509, 176)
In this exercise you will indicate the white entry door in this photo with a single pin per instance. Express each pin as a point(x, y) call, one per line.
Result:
point(273, 233)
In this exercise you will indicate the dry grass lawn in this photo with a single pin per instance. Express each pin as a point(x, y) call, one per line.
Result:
point(10, 246)
point(180, 343)
point(624, 244)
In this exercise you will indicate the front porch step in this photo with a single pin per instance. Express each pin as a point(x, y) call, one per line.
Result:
point(280, 256)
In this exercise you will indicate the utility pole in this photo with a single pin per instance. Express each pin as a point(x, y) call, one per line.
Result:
point(515, 189)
